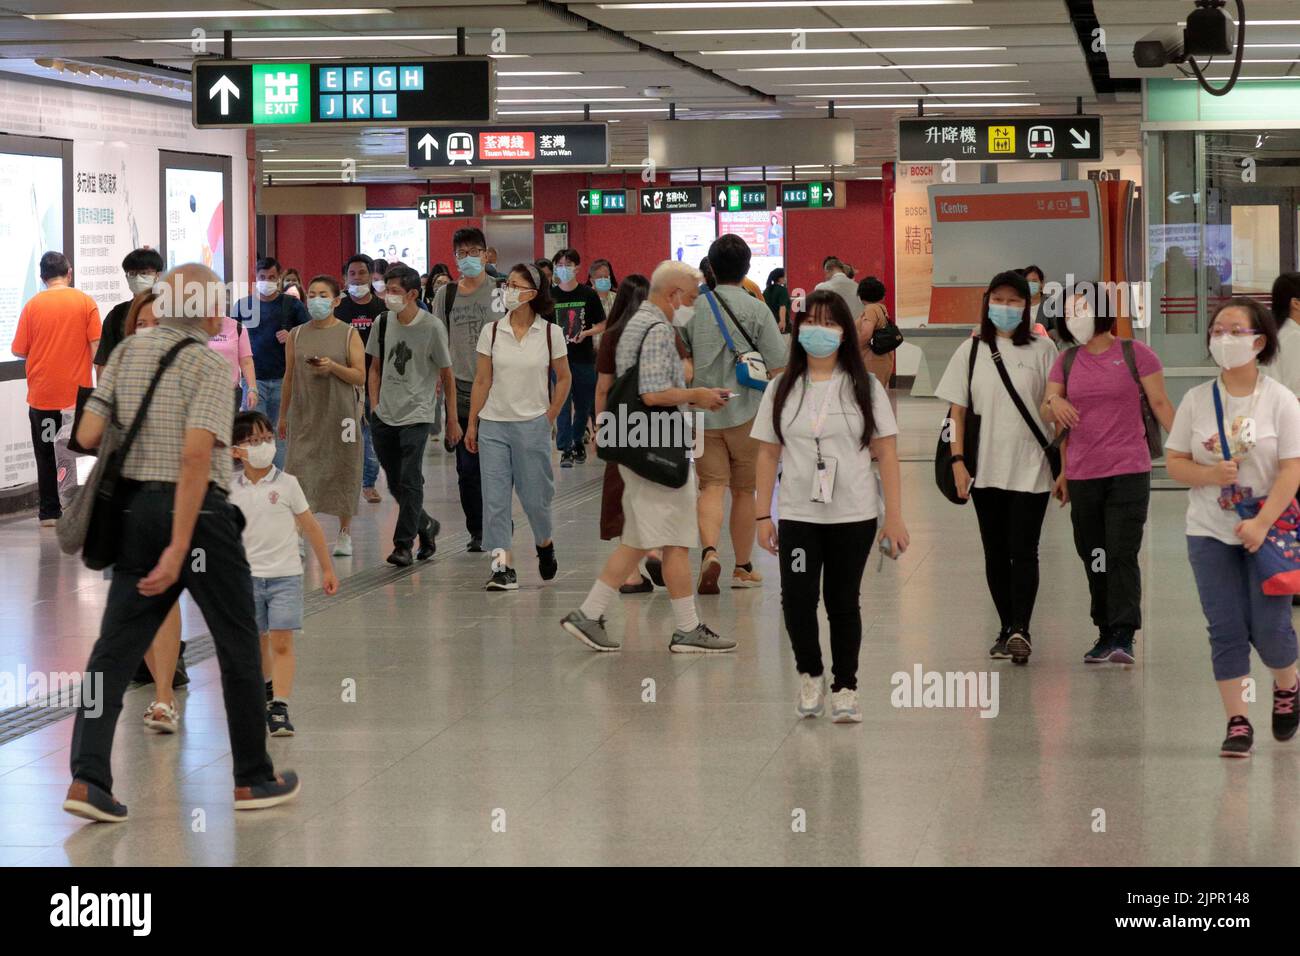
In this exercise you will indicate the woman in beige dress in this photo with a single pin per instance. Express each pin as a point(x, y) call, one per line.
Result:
point(320, 411)
point(871, 291)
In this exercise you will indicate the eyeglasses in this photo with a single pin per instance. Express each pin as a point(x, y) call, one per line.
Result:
point(1219, 332)
point(133, 273)
point(475, 251)
point(256, 441)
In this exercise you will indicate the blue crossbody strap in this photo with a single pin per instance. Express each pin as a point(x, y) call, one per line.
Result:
point(1218, 416)
point(717, 315)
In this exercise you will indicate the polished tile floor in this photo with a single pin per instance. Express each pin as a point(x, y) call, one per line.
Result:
point(482, 734)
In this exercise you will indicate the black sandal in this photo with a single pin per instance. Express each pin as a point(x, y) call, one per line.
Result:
point(645, 587)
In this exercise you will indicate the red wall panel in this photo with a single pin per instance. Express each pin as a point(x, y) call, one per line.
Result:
point(634, 243)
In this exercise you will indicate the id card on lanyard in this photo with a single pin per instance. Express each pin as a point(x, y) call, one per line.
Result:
point(823, 485)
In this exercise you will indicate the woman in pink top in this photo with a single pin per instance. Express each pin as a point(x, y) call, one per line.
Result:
point(233, 345)
point(1095, 390)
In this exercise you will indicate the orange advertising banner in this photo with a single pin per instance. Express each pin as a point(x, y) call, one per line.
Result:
point(1009, 206)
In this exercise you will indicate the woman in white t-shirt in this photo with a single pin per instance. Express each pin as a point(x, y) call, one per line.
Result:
point(1013, 481)
point(511, 413)
point(1285, 366)
point(823, 420)
point(1261, 420)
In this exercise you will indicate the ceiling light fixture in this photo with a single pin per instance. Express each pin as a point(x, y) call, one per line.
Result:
point(542, 73)
point(211, 14)
point(579, 99)
point(911, 106)
point(789, 30)
point(528, 89)
point(838, 84)
point(882, 66)
point(769, 4)
point(357, 38)
point(810, 51)
point(884, 96)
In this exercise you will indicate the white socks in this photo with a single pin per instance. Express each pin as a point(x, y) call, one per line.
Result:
point(598, 600)
point(684, 615)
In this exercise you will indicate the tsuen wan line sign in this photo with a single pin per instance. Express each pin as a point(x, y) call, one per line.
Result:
point(452, 206)
point(243, 93)
point(1012, 206)
point(602, 202)
point(499, 146)
point(673, 199)
point(923, 139)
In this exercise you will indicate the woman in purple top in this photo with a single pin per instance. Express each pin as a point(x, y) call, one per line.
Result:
point(1095, 390)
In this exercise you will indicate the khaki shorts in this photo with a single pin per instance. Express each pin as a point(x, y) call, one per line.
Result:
point(729, 458)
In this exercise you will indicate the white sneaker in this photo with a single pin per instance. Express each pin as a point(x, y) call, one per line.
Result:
point(162, 718)
point(812, 695)
point(343, 546)
point(844, 707)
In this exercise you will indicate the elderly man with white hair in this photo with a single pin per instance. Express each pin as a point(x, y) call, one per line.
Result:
point(655, 515)
point(178, 532)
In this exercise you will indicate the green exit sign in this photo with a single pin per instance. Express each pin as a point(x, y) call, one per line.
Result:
point(814, 195)
point(742, 197)
point(602, 202)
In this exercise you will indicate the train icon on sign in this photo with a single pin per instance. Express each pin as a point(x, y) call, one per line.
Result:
point(460, 146)
point(1042, 141)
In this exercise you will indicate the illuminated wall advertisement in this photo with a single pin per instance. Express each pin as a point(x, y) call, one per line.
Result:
point(764, 232)
point(115, 210)
point(31, 223)
point(196, 218)
point(691, 235)
point(398, 235)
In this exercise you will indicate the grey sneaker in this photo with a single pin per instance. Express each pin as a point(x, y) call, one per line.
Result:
point(844, 706)
point(812, 696)
point(592, 633)
point(700, 641)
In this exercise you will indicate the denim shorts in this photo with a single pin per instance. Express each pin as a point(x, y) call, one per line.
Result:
point(277, 603)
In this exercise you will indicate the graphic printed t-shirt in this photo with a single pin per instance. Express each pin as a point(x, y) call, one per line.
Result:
point(1257, 448)
point(853, 497)
point(1110, 438)
point(1009, 455)
point(469, 313)
point(414, 356)
point(360, 315)
point(55, 330)
point(270, 531)
point(575, 311)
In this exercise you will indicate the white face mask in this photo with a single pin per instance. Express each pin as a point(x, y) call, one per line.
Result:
point(260, 456)
point(267, 287)
point(379, 285)
point(512, 299)
point(1233, 351)
point(395, 303)
point(1082, 326)
point(358, 291)
point(141, 283)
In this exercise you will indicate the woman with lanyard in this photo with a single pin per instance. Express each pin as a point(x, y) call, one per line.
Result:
point(1013, 480)
point(822, 420)
point(1096, 390)
point(510, 421)
point(1258, 419)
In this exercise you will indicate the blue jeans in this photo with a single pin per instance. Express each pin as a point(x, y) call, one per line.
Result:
point(577, 407)
point(369, 460)
point(268, 403)
point(1237, 613)
point(515, 457)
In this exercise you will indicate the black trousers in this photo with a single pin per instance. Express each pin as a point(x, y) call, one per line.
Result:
point(1010, 525)
point(471, 488)
point(829, 557)
point(218, 579)
point(400, 450)
point(45, 425)
point(1109, 515)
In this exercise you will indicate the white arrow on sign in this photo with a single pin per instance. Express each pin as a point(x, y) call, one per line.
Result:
point(225, 88)
point(428, 144)
point(582, 201)
point(1177, 198)
point(1081, 140)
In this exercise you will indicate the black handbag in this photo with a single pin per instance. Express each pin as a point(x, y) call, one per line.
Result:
point(943, 476)
point(1052, 449)
point(886, 339)
point(83, 393)
point(92, 523)
point(665, 463)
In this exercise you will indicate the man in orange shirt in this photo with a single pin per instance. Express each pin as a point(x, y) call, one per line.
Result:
point(58, 331)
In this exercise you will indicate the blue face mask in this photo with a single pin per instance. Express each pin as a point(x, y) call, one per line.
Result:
point(1035, 287)
point(565, 274)
point(819, 341)
point(469, 266)
point(320, 307)
point(1006, 317)
point(603, 284)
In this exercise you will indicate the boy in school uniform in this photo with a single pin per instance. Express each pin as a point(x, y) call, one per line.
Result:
point(275, 513)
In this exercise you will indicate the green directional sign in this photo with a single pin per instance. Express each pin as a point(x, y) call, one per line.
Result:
point(814, 195)
point(281, 93)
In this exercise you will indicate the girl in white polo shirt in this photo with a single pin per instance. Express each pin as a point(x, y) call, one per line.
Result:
point(510, 418)
point(1261, 420)
point(275, 513)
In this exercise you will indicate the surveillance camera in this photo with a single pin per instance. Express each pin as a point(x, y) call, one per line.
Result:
point(1161, 47)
